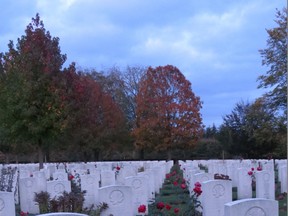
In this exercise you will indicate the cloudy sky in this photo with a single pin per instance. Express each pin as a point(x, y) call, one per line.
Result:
point(214, 43)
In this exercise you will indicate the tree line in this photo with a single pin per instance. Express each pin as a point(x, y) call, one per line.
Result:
point(70, 113)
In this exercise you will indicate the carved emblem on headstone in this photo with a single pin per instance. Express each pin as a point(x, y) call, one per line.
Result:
point(136, 184)
point(59, 188)
point(116, 197)
point(218, 190)
point(255, 211)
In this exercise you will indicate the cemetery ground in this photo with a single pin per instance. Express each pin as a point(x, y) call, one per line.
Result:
point(176, 196)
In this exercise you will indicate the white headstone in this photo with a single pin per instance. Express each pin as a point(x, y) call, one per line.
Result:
point(60, 176)
point(150, 181)
point(107, 178)
point(41, 183)
point(119, 200)
point(265, 184)
point(7, 204)
point(27, 192)
point(90, 183)
point(56, 188)
point(244, 188)
point(283, 178)
point(215, 194)
point(139, 187)
point(252, 207)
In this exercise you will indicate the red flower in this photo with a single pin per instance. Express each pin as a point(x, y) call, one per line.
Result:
point(160, 205)
point(250, 173)
point(167, 176)
point(259, 168)
point(142, 209)
point(70, 177)
point(197, 184)
point(197, 190)
point(183, 180)
point(118, 168)
point(176, 210)
point(175, 183)
point(168, 207)
point(183, 186)
point(252, 169)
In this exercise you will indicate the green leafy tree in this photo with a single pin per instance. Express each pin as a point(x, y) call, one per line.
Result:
point(274, 56)
point(251, 130)
point(168, 112)
point(31, 109)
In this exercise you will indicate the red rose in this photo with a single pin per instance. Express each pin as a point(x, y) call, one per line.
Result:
point(252, 169)
point(70, 177)
point(168, 207)
point(198, 191)
point(176, 210)
point(183, 186)
point(197, 184)
point(259, 168)
point(160, 205)
point(118, 168)
point(175, 183)
point(142, 209)
point(167, 176)
point(250, 173)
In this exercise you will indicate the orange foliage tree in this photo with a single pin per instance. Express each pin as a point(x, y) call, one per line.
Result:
point(94, 119)
point(168, 112)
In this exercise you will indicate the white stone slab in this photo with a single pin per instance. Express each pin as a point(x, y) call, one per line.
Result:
point(119, 200)
point(139, 185)
point(56, 188)
point(90, 183)
point(252, 207)
point(244, 188)
point(60, 176)
point(27, 192)
point(265, 184)
point(7, 204)
point(215, 194)
point(107, 178)
point(283, 179)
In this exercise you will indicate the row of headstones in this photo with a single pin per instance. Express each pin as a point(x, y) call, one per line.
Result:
point(217, 201)
point(120, 194)
point(129, 188)
point(238, 173)
point(264, 180)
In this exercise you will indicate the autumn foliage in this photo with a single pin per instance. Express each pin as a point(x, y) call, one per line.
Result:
point(168, 112)
point(93, 116)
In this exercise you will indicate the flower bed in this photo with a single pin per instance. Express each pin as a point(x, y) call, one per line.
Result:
point(174, 197)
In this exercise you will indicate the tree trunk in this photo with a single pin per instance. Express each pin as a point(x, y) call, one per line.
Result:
point(141, 154)
point(169, 154)
point(96, 155)
point(40, 154)
point(47, 154)
point(7, 158)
